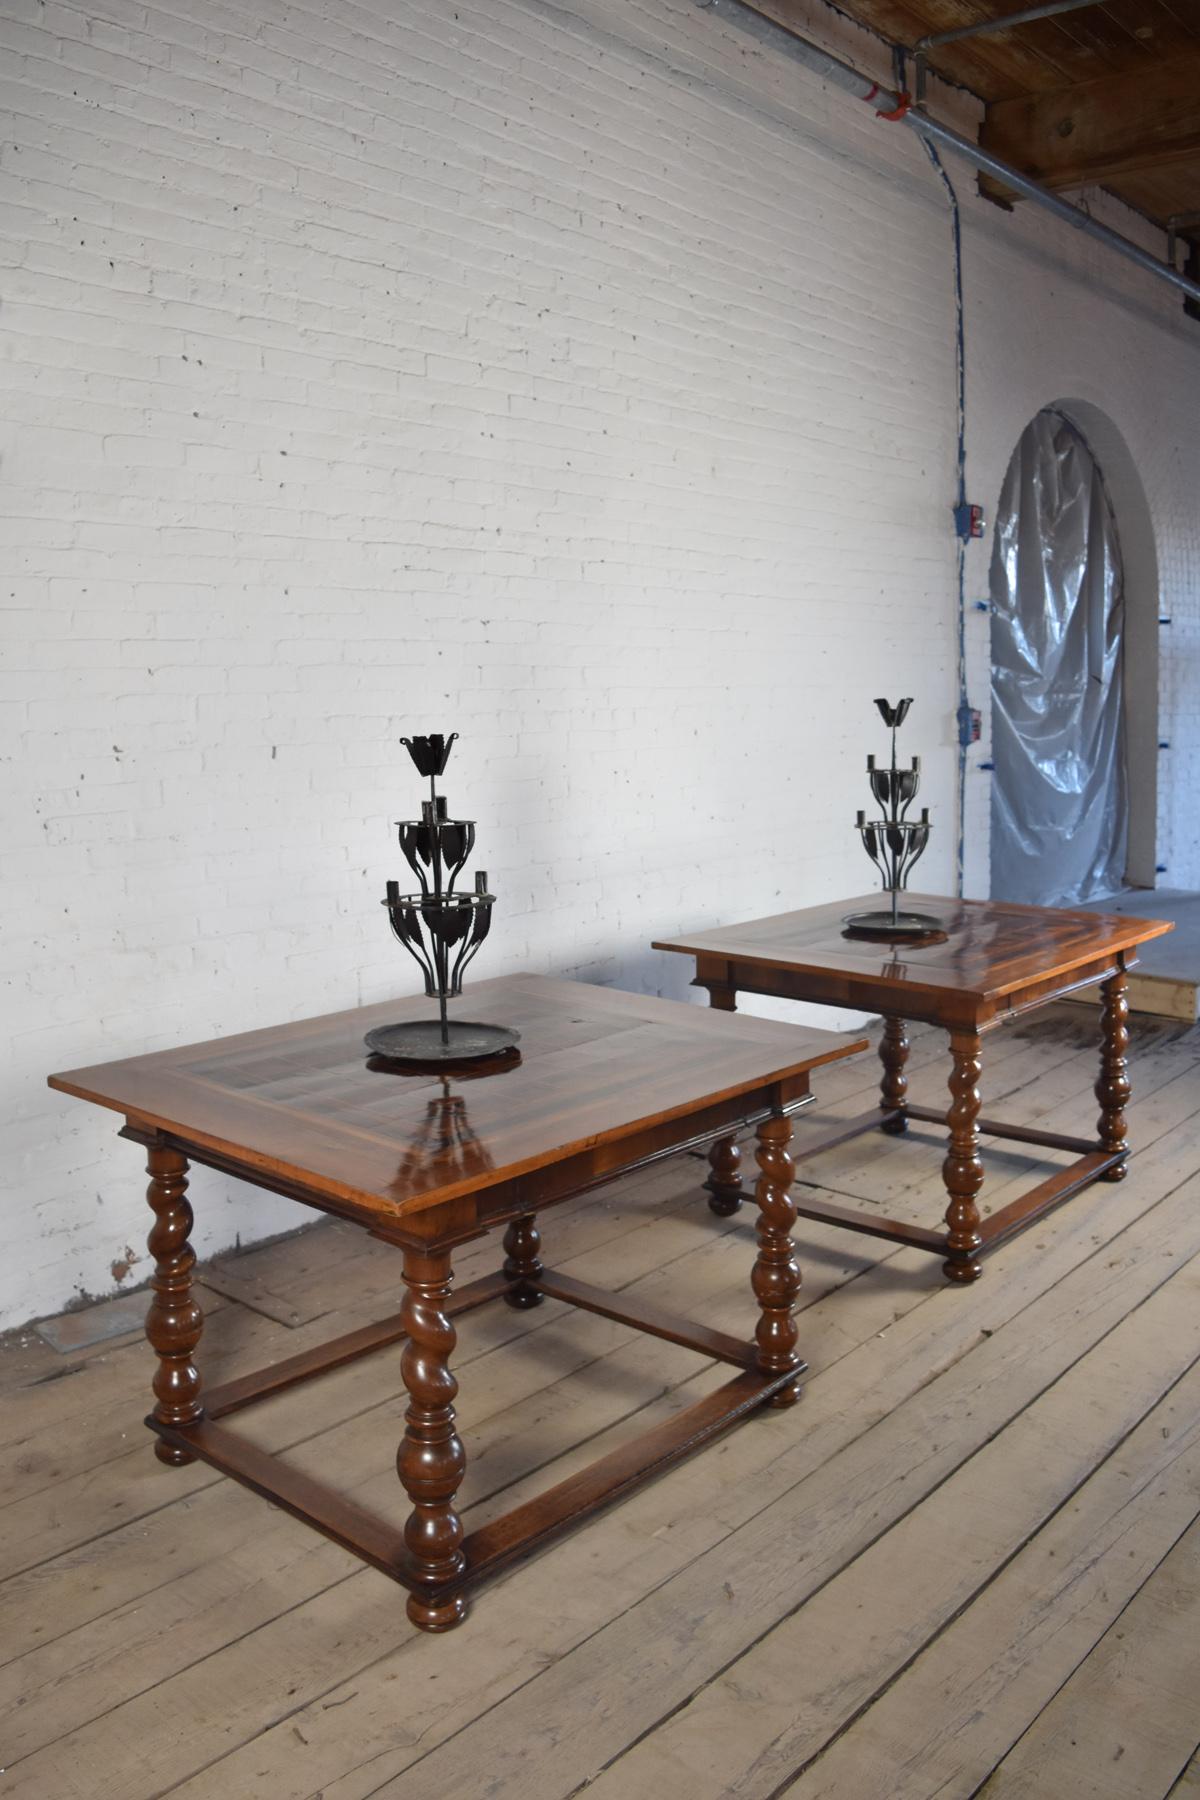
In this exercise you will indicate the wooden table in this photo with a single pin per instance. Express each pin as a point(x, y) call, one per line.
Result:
point(605, 1082)
point(996, 961)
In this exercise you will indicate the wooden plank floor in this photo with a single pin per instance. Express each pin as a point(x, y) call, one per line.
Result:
point(967, 1564)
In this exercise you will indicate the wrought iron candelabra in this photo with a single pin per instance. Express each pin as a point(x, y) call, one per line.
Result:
point(439, 926)
point(895, 842)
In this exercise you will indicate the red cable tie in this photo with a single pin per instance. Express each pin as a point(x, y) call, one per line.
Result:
point(901, 109)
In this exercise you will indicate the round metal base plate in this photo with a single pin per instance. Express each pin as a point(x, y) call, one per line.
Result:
point(422, 1043)
point(906, 927)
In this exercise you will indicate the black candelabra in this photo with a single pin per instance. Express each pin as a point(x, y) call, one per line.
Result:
point(895, 842)
point(440, 927)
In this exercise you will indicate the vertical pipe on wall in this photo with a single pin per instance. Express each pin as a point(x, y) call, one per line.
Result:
point(960, 372)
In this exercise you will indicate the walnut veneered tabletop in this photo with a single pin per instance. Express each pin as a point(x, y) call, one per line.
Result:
point(993, 961)
point(995, 955)
point(604, 1082)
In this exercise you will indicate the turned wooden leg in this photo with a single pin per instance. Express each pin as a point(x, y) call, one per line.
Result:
point(893, 1089)
point(776, 1278)
point(963, 1167)
point(522, 1265)
point(724, 1184)
point(431, 1459)
point(1112, 1089)
point(173, 1320)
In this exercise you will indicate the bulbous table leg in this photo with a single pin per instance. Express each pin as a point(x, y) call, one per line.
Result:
point(1112, 1089)
point(174, 1321)
point(431, 1458)
point(963, 1167)
point(893, 1089)
point(776, 1278)
point(522, 1264)
point(724, 1184)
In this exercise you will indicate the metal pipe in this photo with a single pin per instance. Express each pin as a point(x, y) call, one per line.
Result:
point(892, 106)
point(1046, 11)
point(1051, 202)
point(778, 37)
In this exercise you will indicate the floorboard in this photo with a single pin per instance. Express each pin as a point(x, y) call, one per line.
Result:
point(968, 1564)
point(1127, 1718)
point(1188, 1784)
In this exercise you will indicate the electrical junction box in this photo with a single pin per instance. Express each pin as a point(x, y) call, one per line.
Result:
point(969, 520)
point(970, 725)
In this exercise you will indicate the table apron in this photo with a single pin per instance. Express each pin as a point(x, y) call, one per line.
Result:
point(463, 1217)
point(950, 1008)
point(580, 1174)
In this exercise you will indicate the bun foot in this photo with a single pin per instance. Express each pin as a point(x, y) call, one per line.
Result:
point(962, 1273)
point(172, 1454)
point(786, 1396)
point(436, 1615)
point(724, 1205)
point(522, 1298)
point(1118, 1173)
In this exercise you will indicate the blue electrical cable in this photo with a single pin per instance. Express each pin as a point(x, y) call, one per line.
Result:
point(961, 395)
point(960, 373)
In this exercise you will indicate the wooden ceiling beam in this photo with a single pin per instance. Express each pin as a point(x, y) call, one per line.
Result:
point(1101, 129)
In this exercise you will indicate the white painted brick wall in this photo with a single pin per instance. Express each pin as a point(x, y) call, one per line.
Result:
point(571, 375)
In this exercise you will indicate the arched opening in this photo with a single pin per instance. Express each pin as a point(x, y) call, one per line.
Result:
point(1140, 560)
point(1074, 593)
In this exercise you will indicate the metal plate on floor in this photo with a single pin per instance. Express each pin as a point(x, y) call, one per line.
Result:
point(114, 1318)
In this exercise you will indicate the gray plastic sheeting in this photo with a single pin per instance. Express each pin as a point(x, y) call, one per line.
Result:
point(1058, 792)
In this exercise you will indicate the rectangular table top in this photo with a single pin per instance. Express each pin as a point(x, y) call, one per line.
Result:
point(991, 948)
point(596, 1064)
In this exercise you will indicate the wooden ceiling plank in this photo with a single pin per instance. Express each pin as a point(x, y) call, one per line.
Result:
point(1105, 39)
point(1147, 26)
point(1043, 54)
point(1184, 13)
point(1027, 56)
point(1180, 16)
point(1100, 36)
point(989, 66)
point(1160, 193)
point(1125, 34)
point(1101, 129)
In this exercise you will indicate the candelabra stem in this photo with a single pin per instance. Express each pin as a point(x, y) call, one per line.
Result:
point(440, 953)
